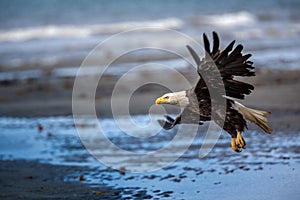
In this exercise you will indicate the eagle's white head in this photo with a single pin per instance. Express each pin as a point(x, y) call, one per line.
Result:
point(176, 98)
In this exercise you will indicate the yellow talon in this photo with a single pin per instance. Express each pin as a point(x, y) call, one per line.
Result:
point(234, 146)
point(240, 142)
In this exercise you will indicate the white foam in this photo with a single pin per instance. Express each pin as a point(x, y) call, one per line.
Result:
point(231, 19)
point(53, 31)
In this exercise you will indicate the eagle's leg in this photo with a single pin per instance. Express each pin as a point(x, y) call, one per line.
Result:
point(165, 124)
point(240, 142)
point(237, 142)
point(169, 123)
point(234, 145)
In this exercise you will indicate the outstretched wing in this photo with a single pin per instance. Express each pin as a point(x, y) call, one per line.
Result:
point(228, 63)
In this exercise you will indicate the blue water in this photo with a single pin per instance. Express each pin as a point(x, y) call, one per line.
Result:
point(269, 163)
point(56, 34)
point(18, 13)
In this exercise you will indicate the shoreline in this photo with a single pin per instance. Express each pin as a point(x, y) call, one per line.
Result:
point(275, 91)
point(21, 179)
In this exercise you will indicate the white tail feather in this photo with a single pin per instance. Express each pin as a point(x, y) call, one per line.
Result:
point(255, 116)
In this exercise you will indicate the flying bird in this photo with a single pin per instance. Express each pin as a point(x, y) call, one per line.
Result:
point(197, 104)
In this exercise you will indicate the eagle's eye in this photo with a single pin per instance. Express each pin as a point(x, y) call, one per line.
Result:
point(166, 97)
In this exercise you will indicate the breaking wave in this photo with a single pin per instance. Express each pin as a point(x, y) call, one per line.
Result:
point(227, 19)
point(75, 31)
point(59, 46)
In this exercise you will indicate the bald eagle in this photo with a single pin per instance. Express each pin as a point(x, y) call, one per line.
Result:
point(196, 102)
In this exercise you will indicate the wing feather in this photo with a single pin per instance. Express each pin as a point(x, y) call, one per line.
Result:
point(230, 62)
point(206, 43)
point(194, 55)
point(216, 44)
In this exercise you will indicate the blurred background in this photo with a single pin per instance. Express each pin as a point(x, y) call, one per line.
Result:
point(43, 43)
point(46, 41)
point(42, 46)
point(47, 34)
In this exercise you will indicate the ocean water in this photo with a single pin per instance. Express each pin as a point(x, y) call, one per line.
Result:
point(54, 34)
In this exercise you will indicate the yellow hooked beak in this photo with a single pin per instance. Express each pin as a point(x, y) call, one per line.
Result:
point(160, 100)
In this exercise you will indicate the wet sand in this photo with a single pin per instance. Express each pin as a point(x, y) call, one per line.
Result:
point(33, 180)
point(275, 90)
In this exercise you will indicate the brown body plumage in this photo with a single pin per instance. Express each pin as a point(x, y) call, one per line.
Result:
point(197, 103)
